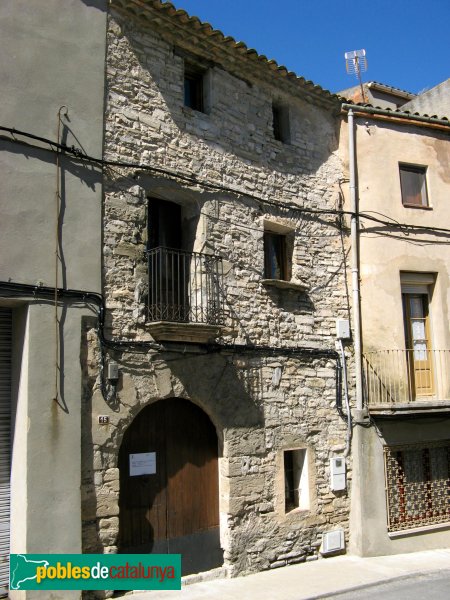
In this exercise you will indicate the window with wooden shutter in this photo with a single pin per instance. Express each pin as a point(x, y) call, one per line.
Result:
point(413, 185)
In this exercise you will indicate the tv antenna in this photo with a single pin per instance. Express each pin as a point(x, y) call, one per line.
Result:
point(356, 63)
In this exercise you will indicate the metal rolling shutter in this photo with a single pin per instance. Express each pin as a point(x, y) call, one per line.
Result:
point(5, 444)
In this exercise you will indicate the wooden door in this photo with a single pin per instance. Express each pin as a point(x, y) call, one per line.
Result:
point(420, 360)
point(175, 509)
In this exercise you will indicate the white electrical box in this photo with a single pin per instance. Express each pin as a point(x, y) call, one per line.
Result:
point(113, 370)
point(343, 329)
point(337, 474)
point(333, 541)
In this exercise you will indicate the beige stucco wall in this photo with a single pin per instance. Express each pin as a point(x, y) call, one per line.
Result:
point(386, 251)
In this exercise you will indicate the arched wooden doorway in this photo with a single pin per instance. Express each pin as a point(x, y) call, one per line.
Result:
point(173, 507)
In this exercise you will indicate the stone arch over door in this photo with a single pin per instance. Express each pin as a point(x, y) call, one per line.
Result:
point(176, 508)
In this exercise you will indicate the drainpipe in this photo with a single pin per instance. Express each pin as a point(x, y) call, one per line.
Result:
point(355, 261)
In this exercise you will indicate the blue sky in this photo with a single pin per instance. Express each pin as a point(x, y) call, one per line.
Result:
point(407, 43)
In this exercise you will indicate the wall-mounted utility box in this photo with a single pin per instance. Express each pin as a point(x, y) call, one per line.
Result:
point(337, 474)
point(333, 541)
point(343, 329)
point(113, 370)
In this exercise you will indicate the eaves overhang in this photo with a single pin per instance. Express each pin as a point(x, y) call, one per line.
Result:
point(368, 109)
point(235, 57)
point(382, 87)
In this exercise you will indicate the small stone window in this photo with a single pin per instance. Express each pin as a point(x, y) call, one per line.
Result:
point(414, 186)
point(275, 256)
point(280, 120)
point(278, 257)
point(194, 86)
point(296, 480)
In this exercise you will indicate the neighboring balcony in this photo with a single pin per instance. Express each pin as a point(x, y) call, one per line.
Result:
point(185, 295)
point(407, 380)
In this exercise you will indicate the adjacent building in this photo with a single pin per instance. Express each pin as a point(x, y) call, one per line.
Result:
point(433, 102)
point(401, 449)
point(378, 94)
point(51, 206)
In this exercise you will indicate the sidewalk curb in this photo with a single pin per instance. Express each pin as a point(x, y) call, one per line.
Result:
point(365, 586)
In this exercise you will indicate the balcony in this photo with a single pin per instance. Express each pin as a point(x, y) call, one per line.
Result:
point(407, 380)
point(185, 299)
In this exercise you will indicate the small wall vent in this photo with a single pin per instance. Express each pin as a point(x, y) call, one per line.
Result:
point(333, 541)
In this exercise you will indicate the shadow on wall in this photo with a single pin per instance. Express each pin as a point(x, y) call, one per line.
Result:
point(215, 383)
point(99, 4)
point(218, 387)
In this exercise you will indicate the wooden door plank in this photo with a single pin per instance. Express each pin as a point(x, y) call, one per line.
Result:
point(192, 468)
point(143, 514)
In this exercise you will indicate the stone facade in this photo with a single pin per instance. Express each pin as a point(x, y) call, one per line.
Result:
point(263, 393)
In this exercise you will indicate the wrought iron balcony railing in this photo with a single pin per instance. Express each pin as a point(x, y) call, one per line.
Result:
point(185, 287)
point(404, 377)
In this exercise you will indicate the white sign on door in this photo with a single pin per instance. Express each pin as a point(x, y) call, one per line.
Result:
point(143, 463)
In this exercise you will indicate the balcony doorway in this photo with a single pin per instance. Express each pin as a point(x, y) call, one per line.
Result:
point(169, 268)
point(184, 286)
point(418, 344)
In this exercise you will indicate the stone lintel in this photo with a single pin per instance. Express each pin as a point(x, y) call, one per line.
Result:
point(286, 285)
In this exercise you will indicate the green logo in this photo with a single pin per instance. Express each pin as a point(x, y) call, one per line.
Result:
point(95, 572)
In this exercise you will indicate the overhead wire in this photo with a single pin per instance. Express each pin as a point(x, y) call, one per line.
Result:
point(78, 154)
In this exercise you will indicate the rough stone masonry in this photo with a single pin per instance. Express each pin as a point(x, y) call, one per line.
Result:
point(261, 403)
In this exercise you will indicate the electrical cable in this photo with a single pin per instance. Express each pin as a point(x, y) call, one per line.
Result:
point(35, 292)
point(78, 154)
point(347, 402)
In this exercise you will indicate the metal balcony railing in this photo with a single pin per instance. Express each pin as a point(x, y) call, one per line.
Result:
point(185, 287)
point(402, 377)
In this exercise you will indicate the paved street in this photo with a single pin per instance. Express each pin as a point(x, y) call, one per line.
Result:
point(420, 573)
point(435, 586)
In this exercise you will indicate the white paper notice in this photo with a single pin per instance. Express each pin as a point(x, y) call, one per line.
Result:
point(143, 463)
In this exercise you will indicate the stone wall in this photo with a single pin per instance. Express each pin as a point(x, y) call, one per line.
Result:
point(256, 413)
point(256, 418)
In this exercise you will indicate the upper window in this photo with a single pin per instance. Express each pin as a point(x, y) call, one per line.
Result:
point(280, 120)
point(414, 185)
point(194, 86)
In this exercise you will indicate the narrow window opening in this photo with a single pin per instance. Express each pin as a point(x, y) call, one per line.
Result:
point(296, 484)
point(275, 260)
point(194, 86)
point(280, 121)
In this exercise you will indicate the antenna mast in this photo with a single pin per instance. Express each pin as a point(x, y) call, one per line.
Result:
point(356, 63)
